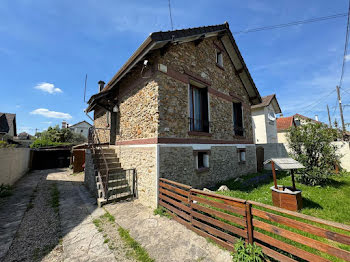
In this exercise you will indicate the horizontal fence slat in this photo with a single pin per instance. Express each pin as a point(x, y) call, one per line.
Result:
point(177, 190)
point(274, 254)
point(232, 209)
point(175, 203)
point(175, 183)
point(175, 210)
point(218, 241)
point(337, 252)
point(302, 226)
point(228, 200)
point(288, 248)
point(306, 217)
point(172, 194)
point(214, 231)
point(228, 217)
point(220, 224)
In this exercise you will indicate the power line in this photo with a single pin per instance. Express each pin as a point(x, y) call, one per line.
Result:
point(314, 104)
point(171, 18)
point(345, 48)
point(300, 22)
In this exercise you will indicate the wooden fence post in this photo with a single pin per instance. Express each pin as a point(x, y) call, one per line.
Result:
point(190, 203)
point(249, 221)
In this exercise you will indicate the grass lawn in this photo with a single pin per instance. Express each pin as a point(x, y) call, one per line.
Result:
point(331, 202)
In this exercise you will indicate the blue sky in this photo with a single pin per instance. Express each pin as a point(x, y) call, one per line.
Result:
point(47, 47)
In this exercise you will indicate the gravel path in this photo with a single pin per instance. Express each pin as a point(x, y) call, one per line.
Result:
point(32, 230)
point(13, 208)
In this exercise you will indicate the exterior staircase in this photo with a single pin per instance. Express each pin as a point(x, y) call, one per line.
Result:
point(113, 182)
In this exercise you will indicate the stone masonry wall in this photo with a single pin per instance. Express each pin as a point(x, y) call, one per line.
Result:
point(143, 159)
point(178, 164)
point(100, 121)
point(90, 177)
point(173, 94)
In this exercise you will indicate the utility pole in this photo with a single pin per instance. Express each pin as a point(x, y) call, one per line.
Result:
point(341, 110)
point(329, 118)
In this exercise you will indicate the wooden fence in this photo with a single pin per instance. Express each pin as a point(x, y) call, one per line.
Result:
point(283, 235)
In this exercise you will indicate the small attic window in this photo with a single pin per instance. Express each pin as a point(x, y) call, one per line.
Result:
point(219, 59)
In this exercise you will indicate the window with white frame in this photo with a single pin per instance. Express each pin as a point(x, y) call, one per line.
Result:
point(202, 159)
point(219, 58)
point(241, 155)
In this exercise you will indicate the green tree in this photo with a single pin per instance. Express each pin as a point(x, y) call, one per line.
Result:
point(55, 136)
point(311, 145)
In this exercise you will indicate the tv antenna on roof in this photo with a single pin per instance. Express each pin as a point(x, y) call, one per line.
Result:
point(171, 18)
point(85, 88)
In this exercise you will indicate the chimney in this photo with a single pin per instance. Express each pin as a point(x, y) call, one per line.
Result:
point(316, 117)
point(101, 85)
point(64, 124)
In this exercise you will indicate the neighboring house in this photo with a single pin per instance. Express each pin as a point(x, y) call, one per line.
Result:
point(180, 108)
point(283, 126)
point(8, 125)
point(264, 120)
point(81, 128)
point(302, 120)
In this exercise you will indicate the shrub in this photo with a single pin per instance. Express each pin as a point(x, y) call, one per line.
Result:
point(5, 190)
point(44, 143)
point(311, 145)
point(314, 177)
point(4, 144)
point(247, 252)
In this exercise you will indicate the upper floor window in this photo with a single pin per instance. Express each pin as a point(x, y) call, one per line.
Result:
point(238, 119)
point(219, 59)
point(199, 109)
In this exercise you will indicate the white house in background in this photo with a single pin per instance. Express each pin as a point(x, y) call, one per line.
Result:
point(81, 128)
point(264, 120)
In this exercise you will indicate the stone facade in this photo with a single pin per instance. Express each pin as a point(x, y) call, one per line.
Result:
point(143, 159)
point(173, 94)
point(154, 113)
point(178, 164)
point(90, 176)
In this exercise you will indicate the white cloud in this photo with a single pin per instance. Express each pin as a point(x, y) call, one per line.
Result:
point(50, 114)
point(347, 57)
point(48, 87)
point(47, 122)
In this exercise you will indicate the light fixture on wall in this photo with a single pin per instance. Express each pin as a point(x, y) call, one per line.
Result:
point(115, 109)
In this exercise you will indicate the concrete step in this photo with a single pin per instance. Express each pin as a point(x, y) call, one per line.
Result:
point(102, 201)
point(117, 182)
point(106, 150)
point(102, 167)
point(108, 159)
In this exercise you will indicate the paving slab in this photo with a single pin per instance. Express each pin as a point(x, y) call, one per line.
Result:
point(13, 208)
point(163, 238)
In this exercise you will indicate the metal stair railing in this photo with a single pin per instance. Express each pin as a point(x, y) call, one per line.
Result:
point(95, 145)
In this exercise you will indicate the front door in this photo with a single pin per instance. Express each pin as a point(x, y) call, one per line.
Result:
point(113, 131)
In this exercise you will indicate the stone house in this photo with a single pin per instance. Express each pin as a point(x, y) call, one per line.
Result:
point(264, 120)
point(180, 108)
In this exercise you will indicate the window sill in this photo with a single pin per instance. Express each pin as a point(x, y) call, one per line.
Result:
point(219, 66)
point(199, 133)
point(202, 170)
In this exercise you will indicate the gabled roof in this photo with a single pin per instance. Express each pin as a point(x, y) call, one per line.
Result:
point(306, 118)
point(7, 121)
point(267, 100)
point(81, 123)
point(158, 40)
point(284, 123)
